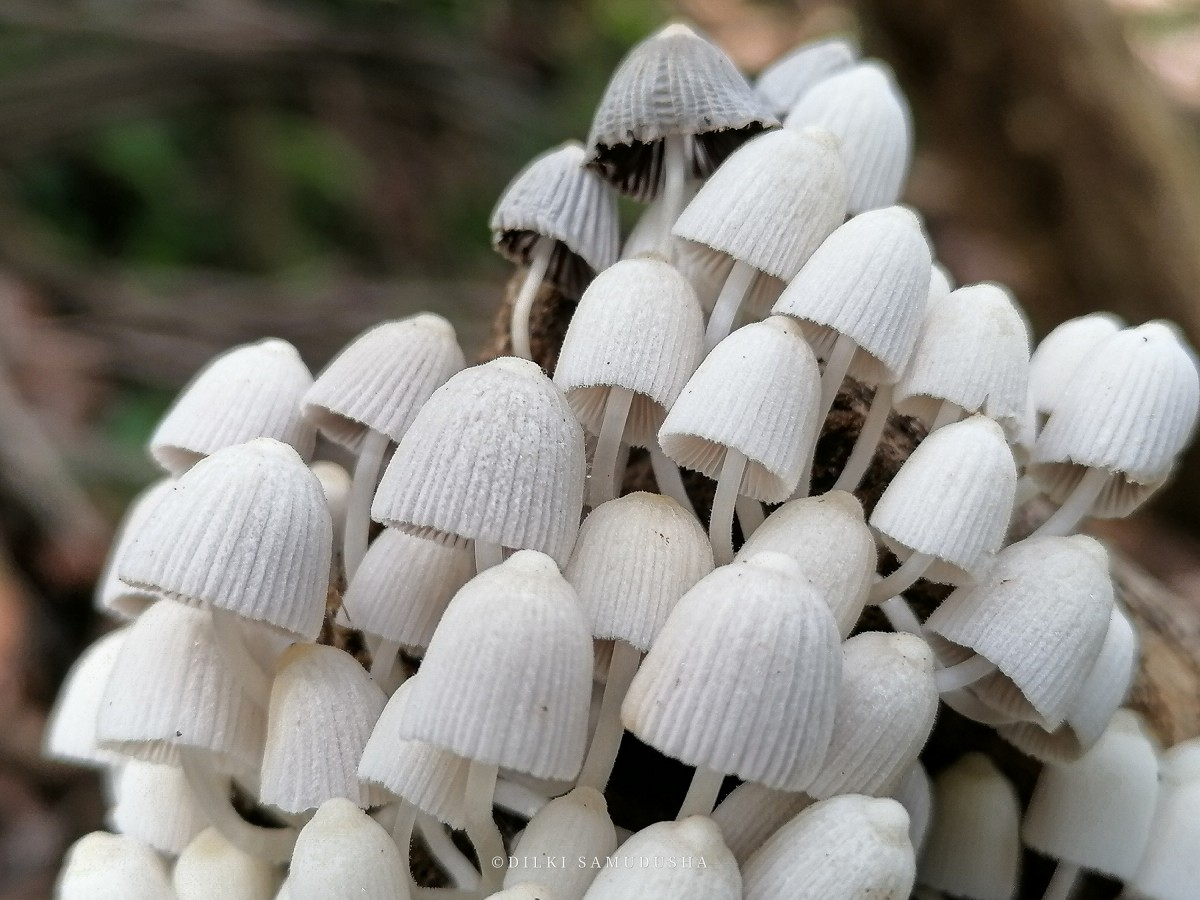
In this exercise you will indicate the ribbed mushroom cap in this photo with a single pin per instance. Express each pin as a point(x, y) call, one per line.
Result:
point(744, 676)
point(245, 530)
point(170, 687)
point(556, 196)
point(870, 281)
point(114, 596)
point(213, 867)
point(757, 391)
point(673, 83)
point(404, 584)
point(885, 712)
point(845, 848)
point(71, 729)
point(753, 812)
point(974, 849)
point(635, 557)
point(781, 84)
point(952, 499)
point(915, 794)
point(494, 455)
point(1096, 812)
point(343, 852)
point(574, 827)
point(973, 350)
point(102, 866)
point(1041, 615)
point(1130, 407)
point(1170, 868)
point(507, 678)
point(248, 392)
point(1060, 352)
point(864, 107)
point(829, 538)
point(323, 707)
point(703, 869)
point(638, 326)
point(382, 378)
point(155, 804)
point(772, 203)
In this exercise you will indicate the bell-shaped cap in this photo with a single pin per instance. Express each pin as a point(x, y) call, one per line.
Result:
point(785, 81)
point(1096, 812)
point(974, 849)
point(683, 860)
point(71, 730)
point(382, 378)
point(845, 848)
point(864, 107)
point(753, 812)
point(575, 827)
point(1060, 352)
point(915, 794)
point(868, 281)
point(695, 699)
point(114, 596)
point(245, 530)
point(638, 326)
point(248, 392)
point(495, 455)
point(1040, 615)
point(102, 866)
point(323, 707)
point(155, 804)
point(772, 203)
point(757, 392)
point(973, 351)
point(555, 196)
point(635, 557)
point(507, 678)
point(1129, 408)
point(213, 867)
point(885, 712)
point(343, 852)
point(674, 83)
point(1170, 867)
point(404, 584)
point(952, 499)
point(830, 540)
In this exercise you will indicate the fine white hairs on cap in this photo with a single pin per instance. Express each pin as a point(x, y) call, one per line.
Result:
point(102, 866)
point(114, 596)
point(343, 852)
point(1060, 352)
point(787, 79)
point(575, 827)
point(248, 392)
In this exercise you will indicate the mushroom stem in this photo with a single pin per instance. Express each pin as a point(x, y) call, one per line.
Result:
point(960, 675)
point(948, 413)
point(402, 829)
point(720, 522)
point(749, 514)
point(901, 580)
point(603, 483)
point(1078, 504)
point(867, 441)
point(383, 665)
point(1062, 884)
point(729, 301)
point(606, 742)
point(232, 643)
point(539, 264)
point(487, 554)
point(674, 184)
point(900, 616)
point(362, 490)
point(702, 794)
point(836, 367)
point(971, 707)
point(444, 852)
point(212, 793)
point(481, 825)
point(519, 799)
point(669, 479)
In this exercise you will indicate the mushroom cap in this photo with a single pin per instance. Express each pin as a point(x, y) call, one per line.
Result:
point(757, 392)
point(495, 455)
point(1061, 351)
point(70, 734)
point(113, 596)
point(575, 827)
point(1170, 868)
point(343, 852)
point(752, 812)
point(781, 84)
point(157, 805)
point(915, 794)
point(380, 380)
point(210, 866)
point(102, 866)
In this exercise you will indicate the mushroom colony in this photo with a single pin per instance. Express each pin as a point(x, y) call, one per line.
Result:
point(319, 664)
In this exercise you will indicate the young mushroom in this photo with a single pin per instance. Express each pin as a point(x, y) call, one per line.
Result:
point(102, 866)
point(787, 79)
point(343, 852)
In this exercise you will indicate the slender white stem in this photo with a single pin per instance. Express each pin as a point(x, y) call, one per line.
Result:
point(231, 640)
point(901, 580)
point(969, 706)
point(670, 481)
point(900, 615)
point(606, 742)
point(446, 853)
point(487, 555)
point(948, 413)
point(836, 368)
point(402, 829)
point(1078, 504)
point(867, 441)
point(674, 184)
point(963, 674)
point(383, 663)
point(702, 794)
point(539, 263)
point(729, 301)
point(750, 515)
point(519, 799)
point(603, 484)
point(720, 523)
point(481, 825)
point(362, 491)
point(1062, 884)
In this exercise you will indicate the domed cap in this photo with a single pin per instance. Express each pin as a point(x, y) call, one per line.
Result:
point(915, 794)
point(753, 812)
point(952, 499)
point(114, 596)
point(869, 280)
point(973, 351)
point(245, 530)
point(1060, 353)
point(781, 84)
point(573, 827)
point(102, 866)
point(673, 83)
point(507, 679)
point(772, 203)
point(695, 698)
point(757, 391)
point(343, 852)
point(155, 804)
point(213, 867)
point(865, 109)
point(1168, 869)
point(70, 734)
point(556, 196)
point(845, 848)
point(382, 378)
point(248, 392)
point(494, 455)
point(639, 326)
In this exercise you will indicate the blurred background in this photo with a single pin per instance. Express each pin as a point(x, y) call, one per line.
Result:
point(178, 176)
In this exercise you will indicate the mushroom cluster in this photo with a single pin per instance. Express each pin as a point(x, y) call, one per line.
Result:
point(516, 618)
